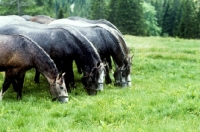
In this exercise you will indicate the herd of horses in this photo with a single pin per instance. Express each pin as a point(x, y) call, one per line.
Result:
point(51, 45)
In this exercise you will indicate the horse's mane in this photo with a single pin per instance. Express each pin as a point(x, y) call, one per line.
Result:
point(88, 41)
point(117, 35)
point(39, 49)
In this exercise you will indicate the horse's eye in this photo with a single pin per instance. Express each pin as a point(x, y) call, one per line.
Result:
point(61, 88)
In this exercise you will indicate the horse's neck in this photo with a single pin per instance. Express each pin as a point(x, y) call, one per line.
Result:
point(47, 68)
point(118, 53)
point(123, 43)
point(88, 54)
point(87, 63)
point(42, 61)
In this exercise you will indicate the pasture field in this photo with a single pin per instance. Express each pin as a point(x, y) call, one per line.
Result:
point(164, 97)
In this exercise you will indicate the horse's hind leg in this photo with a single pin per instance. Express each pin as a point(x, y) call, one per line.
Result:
point(108, 59)
point(37, 76)
point(107, 77)
point(69, 76)
point(18, 85)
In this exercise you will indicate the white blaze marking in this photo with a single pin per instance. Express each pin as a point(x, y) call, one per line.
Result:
point(129, 80)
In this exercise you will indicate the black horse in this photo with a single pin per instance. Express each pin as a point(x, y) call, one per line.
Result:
point(124, 72)
point(64, 47)
point(106, 44)
point(19, 54)
point(106, 40)
point(114, 30)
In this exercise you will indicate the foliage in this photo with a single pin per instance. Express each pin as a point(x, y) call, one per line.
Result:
point(198, 20)
point(112, 11)
point(159, 11)
point(187, 25)
point(175, 18)
point(164, 97)
point(98, 9)
point(14, 7)
point(80, 8)
point(60, 13)
point(152, 28)
point(130, 19)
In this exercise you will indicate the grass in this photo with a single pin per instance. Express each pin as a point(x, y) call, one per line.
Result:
point(164, 97)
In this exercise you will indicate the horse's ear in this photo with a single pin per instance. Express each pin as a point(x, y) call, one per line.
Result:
point(58, 76)
point(63, 74)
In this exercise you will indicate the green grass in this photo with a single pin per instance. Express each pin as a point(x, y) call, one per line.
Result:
point(165, 96)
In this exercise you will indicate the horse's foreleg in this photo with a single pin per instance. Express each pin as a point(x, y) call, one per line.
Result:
point(107, 77)
point(69, 77)
point(6, 84)
point(108, 59)
point(37, 76)
point(107, 62)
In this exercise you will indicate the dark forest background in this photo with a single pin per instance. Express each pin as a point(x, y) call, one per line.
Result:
point(174, 18)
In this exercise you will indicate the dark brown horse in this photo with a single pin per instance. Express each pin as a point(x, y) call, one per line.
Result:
point(19, 54)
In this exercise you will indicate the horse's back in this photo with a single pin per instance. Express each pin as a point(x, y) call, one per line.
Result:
point(12, 51)
point(12, 19)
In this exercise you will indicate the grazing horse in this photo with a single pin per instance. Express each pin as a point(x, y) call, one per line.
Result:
point(101, 41)
point(19, 54)
point(63, 47)
point(113, 29)
point(124, 72)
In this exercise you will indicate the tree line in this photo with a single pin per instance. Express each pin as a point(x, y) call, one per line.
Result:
point(175, 18)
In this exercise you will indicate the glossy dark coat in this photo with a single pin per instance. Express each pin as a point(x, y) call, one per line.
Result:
point(105, 42)
point(62, 46)
point(19, 54)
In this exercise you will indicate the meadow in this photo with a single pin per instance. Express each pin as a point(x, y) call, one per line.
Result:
point(164, 96)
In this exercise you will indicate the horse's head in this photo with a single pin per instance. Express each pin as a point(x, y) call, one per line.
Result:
point(59, 90)
point(94, 80)
point(122, 74)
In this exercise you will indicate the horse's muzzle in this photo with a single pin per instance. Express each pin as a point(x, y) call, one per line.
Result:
point(61, 99)
point(100, 86)
point(121, 84)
